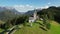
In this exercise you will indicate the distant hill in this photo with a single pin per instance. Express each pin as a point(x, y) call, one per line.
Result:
point(52, 11)
point(9, 8)
point(8, 13)
point(31, 12)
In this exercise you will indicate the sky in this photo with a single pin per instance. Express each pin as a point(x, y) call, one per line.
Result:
point(25, 5)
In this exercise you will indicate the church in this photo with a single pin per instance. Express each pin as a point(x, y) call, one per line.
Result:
point(33, 19)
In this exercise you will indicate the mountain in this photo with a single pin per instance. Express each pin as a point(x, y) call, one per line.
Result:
point(9, 8)
point(7, 13)
point(31, 12)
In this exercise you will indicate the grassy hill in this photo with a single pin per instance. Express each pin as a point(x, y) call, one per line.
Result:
point(1, 30)
point(35, 29)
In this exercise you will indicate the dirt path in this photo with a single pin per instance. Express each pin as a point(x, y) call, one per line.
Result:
point(10, 30)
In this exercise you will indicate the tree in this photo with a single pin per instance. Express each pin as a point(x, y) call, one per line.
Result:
point(46, 22)
point(52, 12)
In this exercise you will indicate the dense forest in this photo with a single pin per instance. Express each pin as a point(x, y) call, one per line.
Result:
point(53, 13)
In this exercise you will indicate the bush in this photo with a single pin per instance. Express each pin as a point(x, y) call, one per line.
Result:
point(48, 25)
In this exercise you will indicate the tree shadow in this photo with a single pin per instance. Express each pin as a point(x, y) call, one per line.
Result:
point(4, 31)
point(11, 31)
point(40, 23)
point(43, 28)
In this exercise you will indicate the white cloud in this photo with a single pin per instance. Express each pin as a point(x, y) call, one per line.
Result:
point(44, 7)
point(23, 8)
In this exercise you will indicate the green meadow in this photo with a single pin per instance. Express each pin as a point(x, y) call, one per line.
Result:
point(35, 29)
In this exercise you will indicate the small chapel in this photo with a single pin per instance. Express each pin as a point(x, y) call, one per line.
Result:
point(33, 19)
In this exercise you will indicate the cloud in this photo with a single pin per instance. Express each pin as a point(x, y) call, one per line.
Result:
point(44, 7)
point(23, 8)
point(47, 6)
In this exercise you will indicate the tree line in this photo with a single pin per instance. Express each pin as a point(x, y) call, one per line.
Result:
point(14, 21)
point(53, 13)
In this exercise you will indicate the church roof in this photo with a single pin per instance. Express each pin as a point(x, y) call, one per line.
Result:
point(31, 18)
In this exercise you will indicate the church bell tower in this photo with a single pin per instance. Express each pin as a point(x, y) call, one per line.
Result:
point(35, 14)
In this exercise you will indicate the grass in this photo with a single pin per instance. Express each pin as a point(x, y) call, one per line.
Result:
point(35, 29)
point(1, 22)
point(55, 28)
point(1, 30)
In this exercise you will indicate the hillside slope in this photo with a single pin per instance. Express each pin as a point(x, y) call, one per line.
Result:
point(35, 29)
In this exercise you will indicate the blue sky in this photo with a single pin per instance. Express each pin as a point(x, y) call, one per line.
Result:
point(24, 5)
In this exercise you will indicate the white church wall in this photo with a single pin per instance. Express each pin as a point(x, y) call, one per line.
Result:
point(30, 21)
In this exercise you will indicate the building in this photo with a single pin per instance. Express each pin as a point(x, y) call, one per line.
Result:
point(33, 19)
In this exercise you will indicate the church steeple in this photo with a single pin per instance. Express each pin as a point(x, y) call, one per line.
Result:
point(35, 14)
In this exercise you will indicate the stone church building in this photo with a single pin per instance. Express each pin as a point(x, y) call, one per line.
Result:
point(33, 19)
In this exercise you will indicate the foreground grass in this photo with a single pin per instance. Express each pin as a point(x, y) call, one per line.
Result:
point(1, 30)
point(55, 28)
point(1, 22)
point(35, 29)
